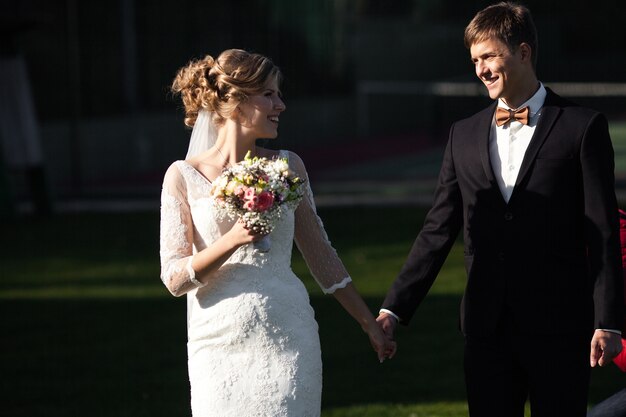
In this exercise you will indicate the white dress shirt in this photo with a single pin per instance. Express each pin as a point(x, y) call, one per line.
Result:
point(507, 151)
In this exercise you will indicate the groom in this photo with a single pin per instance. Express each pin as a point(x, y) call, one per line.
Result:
point(530, 182)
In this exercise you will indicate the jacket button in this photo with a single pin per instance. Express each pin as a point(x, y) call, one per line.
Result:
point(508, 216)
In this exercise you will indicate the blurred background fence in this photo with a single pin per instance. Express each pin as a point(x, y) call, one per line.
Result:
point(365, 81)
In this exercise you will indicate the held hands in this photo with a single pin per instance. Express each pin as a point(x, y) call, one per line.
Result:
point(604, 347)
point(388, 324)
point(385, 325)
point(384, 347)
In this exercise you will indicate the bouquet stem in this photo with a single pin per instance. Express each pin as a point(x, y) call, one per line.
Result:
point(263, 245)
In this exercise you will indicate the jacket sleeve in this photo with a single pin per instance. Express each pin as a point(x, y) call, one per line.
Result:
point(430, 249)
point(602, 224)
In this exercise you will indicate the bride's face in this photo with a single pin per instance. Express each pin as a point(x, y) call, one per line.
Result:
point(259, 114)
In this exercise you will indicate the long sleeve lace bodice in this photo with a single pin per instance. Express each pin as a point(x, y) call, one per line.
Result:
point(176, 241)
point(312, 240)
point(187, 226)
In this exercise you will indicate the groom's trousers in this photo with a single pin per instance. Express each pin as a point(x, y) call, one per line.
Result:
point(504, 370)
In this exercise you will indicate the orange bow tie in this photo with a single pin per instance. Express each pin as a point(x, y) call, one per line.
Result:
point(504, 116)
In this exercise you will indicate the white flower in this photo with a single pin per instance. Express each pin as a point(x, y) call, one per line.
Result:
point(221, 182)
point(280, 165)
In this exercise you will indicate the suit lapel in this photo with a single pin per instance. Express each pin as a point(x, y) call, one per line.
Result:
point(549, 114)
point(484, 132)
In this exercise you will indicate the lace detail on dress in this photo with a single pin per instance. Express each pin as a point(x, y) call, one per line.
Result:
point(337, 286)
point(175, 236)
point(264, 360)
point(200, 186)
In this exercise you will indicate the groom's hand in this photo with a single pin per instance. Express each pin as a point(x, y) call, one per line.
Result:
point(388, 323)
point(604, 347)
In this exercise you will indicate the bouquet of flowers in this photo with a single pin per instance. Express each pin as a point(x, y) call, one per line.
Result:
point(257, 190)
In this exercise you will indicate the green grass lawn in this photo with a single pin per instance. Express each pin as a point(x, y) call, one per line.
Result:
point(618, 136)
point(87, 328)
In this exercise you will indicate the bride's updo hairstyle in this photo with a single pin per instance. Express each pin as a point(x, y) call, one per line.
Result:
point(219, 85)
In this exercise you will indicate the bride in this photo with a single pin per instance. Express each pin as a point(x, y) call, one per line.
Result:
point(253, 344)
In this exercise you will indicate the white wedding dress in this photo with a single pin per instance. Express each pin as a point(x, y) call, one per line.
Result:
point(253, 343)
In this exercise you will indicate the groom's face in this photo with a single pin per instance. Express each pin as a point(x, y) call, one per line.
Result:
point(499, 68)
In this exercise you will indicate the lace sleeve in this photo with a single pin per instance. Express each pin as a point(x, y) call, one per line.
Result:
point(176, 242)
point(312, 240)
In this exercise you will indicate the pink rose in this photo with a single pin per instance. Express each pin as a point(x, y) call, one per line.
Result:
point(249, 205)
point(250, 193)
point(264, 201)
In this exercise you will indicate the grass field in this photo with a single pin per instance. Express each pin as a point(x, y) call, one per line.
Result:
point(88, 329)
point(618, 136)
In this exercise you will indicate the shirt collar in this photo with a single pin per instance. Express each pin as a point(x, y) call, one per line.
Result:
point(535, 103)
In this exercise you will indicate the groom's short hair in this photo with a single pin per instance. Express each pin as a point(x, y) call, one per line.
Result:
point(509, 22)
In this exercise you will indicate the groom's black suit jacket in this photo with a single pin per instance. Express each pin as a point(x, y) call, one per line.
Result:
point(546, 257)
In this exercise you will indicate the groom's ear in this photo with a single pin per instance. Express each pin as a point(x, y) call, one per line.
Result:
point(526, 52)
